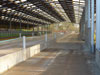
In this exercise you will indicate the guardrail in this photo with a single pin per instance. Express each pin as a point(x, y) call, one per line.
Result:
point(15, 34)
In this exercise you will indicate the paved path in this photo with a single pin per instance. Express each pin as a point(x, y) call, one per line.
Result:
point(57, 60)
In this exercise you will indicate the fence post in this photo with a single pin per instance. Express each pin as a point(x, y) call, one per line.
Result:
point(55, 36)
point(32, 34)
point(24, 42)
point(46, 37)
point(20, 35)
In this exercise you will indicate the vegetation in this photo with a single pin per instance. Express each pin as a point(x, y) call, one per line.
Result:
point(95, 38)
point(63, 26)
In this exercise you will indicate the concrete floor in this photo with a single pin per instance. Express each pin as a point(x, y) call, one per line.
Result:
point(63, 57)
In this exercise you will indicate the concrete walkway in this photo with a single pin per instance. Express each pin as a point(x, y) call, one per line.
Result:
point(63, 57)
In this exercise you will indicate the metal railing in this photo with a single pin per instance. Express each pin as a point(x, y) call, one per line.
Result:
point(15, 34)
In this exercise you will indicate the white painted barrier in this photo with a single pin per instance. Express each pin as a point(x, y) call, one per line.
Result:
point(10, 60)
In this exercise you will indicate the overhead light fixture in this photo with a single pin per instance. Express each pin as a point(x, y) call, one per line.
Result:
point(4, 10)
point(8, 11)
point(0, 5)
point(24, 6)
point(30, 4)
point(23, 0)
point(17, 2)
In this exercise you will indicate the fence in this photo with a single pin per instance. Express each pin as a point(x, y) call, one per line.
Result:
point(15, 34)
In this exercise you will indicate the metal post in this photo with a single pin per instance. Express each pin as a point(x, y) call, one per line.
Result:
point(32, 34)
point(98, 24)
point(89, 27)
point(80, 29)
point(10, 23)
point(20, 24)
point(89, 14)
point(33, 28)
point(86, 20)
point(92, 26)
point(83, 24)
point(55, 35)
point(41, 30)
point(48, 28)
point(44, 29)
point(24, 42)
point(33, 31)
point(87, 23)
point(38, 31)
point(46, 37)
point(20, 35)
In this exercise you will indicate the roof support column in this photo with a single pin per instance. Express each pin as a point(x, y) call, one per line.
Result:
point(98, 24)
point(20, 33)
point(80, 30)
point(10, 27)
point(98, 32)
point(89, 14)
point(92, 26)
point(87, 23)
point(86, 19)
point(38, 29)
point(82, 27)
point(44, 29)
point(33, 28)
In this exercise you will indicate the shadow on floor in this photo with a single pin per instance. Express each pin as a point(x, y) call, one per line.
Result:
point(67, 58)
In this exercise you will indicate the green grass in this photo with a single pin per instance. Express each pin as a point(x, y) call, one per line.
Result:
point(6, 35)
point(13, 35)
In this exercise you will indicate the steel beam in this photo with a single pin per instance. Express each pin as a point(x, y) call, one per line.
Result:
point(98, 25)
point(68, 7)
point(87, 24)
point(88, 13)
point(92, 26)
point(82, 25)
point(86, 19)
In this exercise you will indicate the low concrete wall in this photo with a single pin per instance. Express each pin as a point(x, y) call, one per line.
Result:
point(98, 58)
point(8, 61)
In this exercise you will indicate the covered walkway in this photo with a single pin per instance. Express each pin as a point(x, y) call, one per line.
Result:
point(63, 57)
point(50, 37)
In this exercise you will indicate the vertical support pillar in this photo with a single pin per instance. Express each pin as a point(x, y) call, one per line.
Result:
point(46, 37)
point(92, 26)
point(98, 32)
point(80, 30)
point(33, 28)
point(32, 34)
point(89, 14)
point(20, 35)
point(24, 42)
point(55, 35)
point(38, 30)
point(47, 28)
point(82, 26)
point(10, 23)
point(87, 23)
point(98, 25)
point(86, 20)
point(89, 26)
point(20, 24)
point(33, 31)
point(44, 29)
